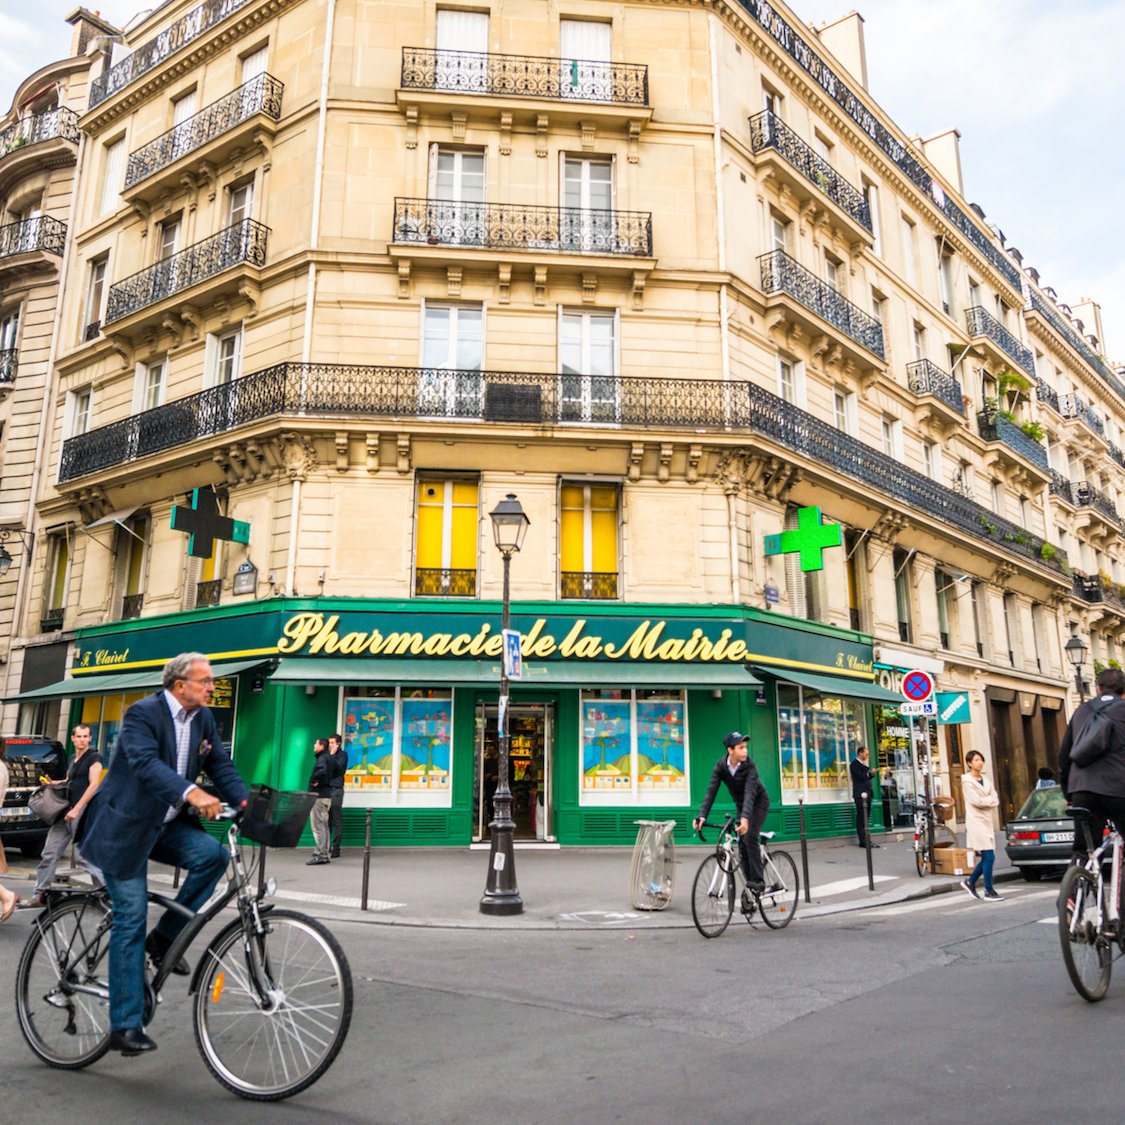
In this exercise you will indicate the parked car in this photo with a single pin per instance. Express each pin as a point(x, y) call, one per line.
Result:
point(1040, 835)
point(29, 758)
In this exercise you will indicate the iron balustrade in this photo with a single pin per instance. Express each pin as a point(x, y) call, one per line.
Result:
point(1047, 395)
point(982, 323)
point(1094, 588)
point(595, 586)
point(1043, 307)
point(40, 233)
point(61, 122)
point(52, 620)
point(262, 94)
point(994, 426)
point(242, 243)
point(1060, 487)
point(9, 361)
point(1074, 407)
point(1087, 495)
point(441, 582)
point(783, 274)
point(524, 76)
point(508, 226)
point(926, 378)
point(151, 54)
point(767, 130)
point(1116, 454)
point(208, 593)
point(131, 605)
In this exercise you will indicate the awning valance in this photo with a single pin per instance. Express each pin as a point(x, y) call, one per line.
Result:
point(832, 685)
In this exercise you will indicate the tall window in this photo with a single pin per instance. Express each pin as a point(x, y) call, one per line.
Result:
point(169, 241)
point(588, 523)
point(457, 175)
point(931, 460)
point(892, 437)
point(771, 100)
point(583, 45)
point(240, 201)
point(254, 63)
point(832, 272)
point(132, 557)
point(871, 194)
point(588, 361)
point(996, 489)
point(452, 356)
point(183, 108)
point(1039, 635)
point(909, 266)
point(150, 384)
point(944, 591)
point(445, 558)
point(224, 358)
point(465, 33)
point(54, 590)
point(779, 232)
point(81, 401)
point(904, 584)
point(945, 279)
point(95, 297)
point(1011, 627)
point(845, 410)
point(113, 170)
point(791, 381)
point(854, 554)
point(587, 196)
point(918, 335)
point(976, 595)
point(9, 331)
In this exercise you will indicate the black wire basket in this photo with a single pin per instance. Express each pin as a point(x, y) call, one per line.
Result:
point(274, 817)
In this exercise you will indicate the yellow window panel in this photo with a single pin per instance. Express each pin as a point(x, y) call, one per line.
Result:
point(62, 557)
point(465, 492)
point(571, 496)
point(429, 537)
point(603, 498)
point(92, 709)
point(463, 548)
point(112, 710)
point(603, 553)
point(571, 554)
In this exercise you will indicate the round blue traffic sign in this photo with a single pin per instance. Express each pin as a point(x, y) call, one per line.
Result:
point(917, 686)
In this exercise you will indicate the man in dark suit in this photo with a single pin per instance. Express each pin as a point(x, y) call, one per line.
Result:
point(739, 774)
point(339, 766)
point(862, 793)
point(141, 811)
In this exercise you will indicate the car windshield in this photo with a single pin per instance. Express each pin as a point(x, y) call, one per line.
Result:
point(1043, 803)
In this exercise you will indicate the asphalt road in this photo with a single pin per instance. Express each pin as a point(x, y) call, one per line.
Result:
point(911, 1012)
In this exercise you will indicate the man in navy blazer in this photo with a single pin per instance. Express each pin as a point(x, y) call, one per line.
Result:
point(141, 811)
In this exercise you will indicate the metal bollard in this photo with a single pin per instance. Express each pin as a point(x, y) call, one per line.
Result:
point(366, 861)
point(867, 840)
point(804, 850)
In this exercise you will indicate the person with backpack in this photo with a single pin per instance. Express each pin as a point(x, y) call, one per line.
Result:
point(1092, 759)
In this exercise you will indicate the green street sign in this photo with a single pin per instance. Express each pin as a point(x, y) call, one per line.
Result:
point(809, 539)
point(953, 707)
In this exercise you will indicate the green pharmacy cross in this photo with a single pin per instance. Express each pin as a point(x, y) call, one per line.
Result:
point(809, 539)
point(204, 525)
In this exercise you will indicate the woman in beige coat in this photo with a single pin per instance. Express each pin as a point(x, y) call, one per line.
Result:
point(980, 799)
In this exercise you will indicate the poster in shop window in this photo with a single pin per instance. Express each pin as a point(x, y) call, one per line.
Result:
point(660, 747)
point(607, 764)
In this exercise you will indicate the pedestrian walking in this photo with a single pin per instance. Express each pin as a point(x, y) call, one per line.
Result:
point(320, 783)
point(862, 793)
point(980, 799)
point(339, 766)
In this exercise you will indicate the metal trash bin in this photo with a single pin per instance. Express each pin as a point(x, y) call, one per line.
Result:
point(653, 869)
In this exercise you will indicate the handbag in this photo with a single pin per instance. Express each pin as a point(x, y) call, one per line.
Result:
point(50, 803)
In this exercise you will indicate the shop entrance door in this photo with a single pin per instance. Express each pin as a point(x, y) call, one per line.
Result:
point(531, 732)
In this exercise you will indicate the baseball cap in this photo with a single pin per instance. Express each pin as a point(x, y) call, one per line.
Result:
point(735, 738)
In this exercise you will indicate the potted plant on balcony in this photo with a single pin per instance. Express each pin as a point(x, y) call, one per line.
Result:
point(1034, 430)
point(1047, 552)
point(1012, 388)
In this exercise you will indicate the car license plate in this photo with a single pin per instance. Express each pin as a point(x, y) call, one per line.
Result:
point(1058, 837)
point(14, 814)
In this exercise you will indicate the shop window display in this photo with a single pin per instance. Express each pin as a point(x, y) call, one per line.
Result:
point(818, 736)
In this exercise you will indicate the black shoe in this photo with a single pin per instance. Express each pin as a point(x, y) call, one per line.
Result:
point(131, 1041)
point(755, 885)
point(876, 845)
point(335, 854)
point(156, 946)
point(316, 861)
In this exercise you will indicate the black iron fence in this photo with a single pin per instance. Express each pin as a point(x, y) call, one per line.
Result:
point(565, 230)
point(1074, 407)
point(524, 76)
point(40, 233)
point(588, 584)
point(783, 274)
point(1060, 487)
point(993, 426)
point(980, 322)
point(261, 94)
point(440, 582)
point(1087, 495)
point(1095, 588)
point(1047, 395)
point(61, 122)
point(9, 362)
point(926, 378)
point(242, 242)
point(1055, 319)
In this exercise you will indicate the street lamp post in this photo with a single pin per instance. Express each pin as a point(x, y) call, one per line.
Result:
point(501, 894)
point(1076, 650)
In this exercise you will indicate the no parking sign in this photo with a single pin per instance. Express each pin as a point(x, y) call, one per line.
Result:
point(917, 686)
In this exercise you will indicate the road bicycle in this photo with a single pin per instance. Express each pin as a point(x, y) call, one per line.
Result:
point(944, 837)
point(1090, 925)
point(272, 992)
point(719, 878)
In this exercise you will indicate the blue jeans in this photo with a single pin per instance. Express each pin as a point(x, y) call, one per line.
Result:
point(983, 867)
point(178, 845)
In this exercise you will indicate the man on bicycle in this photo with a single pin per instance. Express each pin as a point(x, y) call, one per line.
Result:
point(141, 811)
point(739, 774)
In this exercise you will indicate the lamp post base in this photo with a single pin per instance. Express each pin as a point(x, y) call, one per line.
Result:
point(501, 895)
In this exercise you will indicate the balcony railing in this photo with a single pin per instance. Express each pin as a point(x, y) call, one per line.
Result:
point(767, 130)
point(61, 122)
point(131, 606)
point(1055, 319)
point(926, 378)
point(995, 427)
point(1074, 407)
point(9, 361)
point(1061, 487)
point(1115, 454)
point(40, 233)
point(52, 620)
point(156, 50)
point(783, 274)
point(588, 584)
point(983, 323)
point(1094, 588)
point(431, 582)
point(504, 226)
point(1047, 395)
point(1087, 496)
point(244, 242)
point(524, 76)
point(261, 94)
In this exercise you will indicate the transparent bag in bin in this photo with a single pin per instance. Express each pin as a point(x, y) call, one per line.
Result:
point(652, 873)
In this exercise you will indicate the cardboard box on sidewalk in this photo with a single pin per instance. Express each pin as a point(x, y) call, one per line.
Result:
point(953, 861)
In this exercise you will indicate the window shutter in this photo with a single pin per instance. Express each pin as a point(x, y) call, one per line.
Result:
point(122, 554)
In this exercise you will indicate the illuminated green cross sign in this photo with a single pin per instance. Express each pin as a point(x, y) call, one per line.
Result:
point(204, 525)
point(809, 539)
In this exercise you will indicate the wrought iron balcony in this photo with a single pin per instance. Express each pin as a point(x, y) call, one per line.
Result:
point(993, 426)
point(1039, 304)
point(131, 606)
point(783, 274)
point(208, 593)
point(983, 323)
point(28, 235)
point(1087, 496)
point(9, 361)
point(504, 226)
point(1074, 407)
point(1115, 454)
point(151, 54)
point(768, 131)
point(588, 584)
point(52, 620)
point(1047, 395)
point(524, 76)
point(926, 378)
point(61, 122)
point(242, 243)
point(1094, 588)
point(262, 94)
point(442, 583)
point(1060, 487)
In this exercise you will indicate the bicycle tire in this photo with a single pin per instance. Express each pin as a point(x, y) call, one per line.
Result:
point(778, 906)
point(920, 858)
point(65, 1028)
point(1087, 953)
point(298, 1037)
point(943, 837)
point(712, 897)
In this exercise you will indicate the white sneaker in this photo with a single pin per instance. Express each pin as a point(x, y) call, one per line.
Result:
point(992, 896)
point(969, 888)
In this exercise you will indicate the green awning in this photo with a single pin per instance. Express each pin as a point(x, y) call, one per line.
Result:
point(832, 685)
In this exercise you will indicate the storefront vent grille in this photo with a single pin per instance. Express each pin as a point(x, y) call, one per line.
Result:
point(820, 820)
point(393, 824)
point(615, 826)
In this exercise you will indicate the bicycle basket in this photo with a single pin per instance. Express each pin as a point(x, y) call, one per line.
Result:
point(943, 808)
point(275, 818)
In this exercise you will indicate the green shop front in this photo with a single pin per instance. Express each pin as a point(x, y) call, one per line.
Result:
point(618, 716)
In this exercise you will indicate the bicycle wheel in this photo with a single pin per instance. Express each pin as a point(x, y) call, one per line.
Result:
point(1088, 954)
point(920, 858)
point(943, 838)
point(62, 983)
point(270, 1052)
point(778, 902)
point(712, 897)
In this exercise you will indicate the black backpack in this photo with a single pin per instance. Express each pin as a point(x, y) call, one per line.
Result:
point(1096, 738)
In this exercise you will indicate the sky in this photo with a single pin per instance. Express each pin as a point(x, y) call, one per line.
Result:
point(1035, 87)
